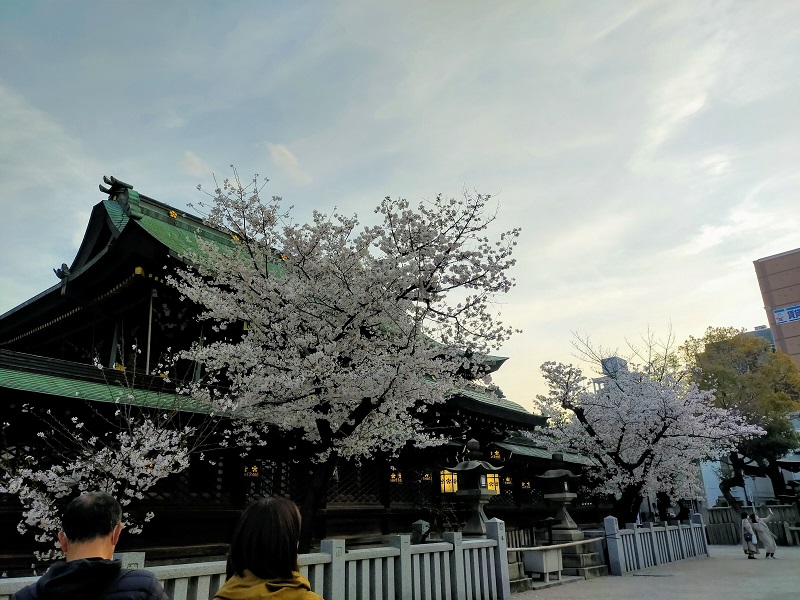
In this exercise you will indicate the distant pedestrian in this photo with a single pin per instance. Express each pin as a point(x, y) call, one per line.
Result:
point(91, 526)
point(262, 562)
point(749, 539)
point(760, 528)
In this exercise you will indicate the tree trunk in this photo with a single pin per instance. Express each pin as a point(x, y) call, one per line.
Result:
point(626, 508)
point(663, 503)
point(735, 480)
point(314, 498)
point(773, 471)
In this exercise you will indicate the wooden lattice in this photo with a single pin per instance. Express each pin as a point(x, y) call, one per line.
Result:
point(355, 484)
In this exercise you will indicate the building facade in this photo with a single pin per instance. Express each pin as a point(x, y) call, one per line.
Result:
point(779, 281)
point(65, 353)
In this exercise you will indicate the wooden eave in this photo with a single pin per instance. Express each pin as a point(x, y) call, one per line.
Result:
point(105, 275)
point(500, 415)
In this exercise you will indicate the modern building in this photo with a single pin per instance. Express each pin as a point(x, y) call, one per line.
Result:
point(779, 280)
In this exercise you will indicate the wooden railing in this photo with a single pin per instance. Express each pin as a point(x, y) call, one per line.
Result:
point(453, 569)
point(636, 547)
point(522, 537)
point(725, 523)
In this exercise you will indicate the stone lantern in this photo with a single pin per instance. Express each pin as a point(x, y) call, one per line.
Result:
point(556, 486)
point(477, 484)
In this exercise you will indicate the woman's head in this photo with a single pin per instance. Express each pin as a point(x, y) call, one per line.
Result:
point(753, 518)
point(744, 515)
point(265, 540)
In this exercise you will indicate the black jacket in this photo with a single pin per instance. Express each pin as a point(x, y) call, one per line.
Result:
point(93, 579)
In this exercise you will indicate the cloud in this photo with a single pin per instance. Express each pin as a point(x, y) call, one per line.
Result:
point(43, 218)
point(716, 164)
point(685, 94)
point(285, 159)
point(191, 164)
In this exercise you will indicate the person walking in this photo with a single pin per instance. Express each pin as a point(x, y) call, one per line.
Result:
point(749, 539)
point(262, 562)
point(763, 533)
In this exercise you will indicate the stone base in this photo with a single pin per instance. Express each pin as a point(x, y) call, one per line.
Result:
point(584, 560)
point(519, 581)
point(575, 561)
point(521, 585)
point(587, 572)
point(567, 535)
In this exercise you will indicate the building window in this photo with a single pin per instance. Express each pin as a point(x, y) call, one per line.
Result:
point(526, 485)
point(493, 482)
point(449, 482)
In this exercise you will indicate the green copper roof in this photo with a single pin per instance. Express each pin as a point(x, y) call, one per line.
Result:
point(524, 447)
point(116, 214)
point(175, 236)
point(492, 399)
point(96, 392)
point(529, 451)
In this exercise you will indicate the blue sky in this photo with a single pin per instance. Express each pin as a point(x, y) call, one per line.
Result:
point(647, 149)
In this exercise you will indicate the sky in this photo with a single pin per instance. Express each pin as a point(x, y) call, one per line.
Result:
point(649, 150)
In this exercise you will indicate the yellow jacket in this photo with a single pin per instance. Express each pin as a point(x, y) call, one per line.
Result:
point(251, 587)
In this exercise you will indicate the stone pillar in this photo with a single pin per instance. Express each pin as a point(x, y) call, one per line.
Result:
point(457, 574)
point(402, 566)
point(616, 554)
point(496, 530)
point(334, 583)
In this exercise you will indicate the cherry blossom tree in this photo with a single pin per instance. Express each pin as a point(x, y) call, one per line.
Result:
point(351, 331)
point(125, 466)
point(644, 426)
point(124, 453)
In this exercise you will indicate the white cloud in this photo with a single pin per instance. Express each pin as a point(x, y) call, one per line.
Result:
point(684, 94)
point(285, 159)
point(42, 168)
point(544, 103)
point(716, 164)
point(193, 165)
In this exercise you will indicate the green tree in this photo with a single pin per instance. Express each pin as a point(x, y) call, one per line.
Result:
point(761, 383)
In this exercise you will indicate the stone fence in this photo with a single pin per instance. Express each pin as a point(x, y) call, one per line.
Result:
point(725, 523)
point(456, 568)
point(639, 547)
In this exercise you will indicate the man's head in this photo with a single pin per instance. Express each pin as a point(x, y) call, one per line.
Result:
point(90, 526)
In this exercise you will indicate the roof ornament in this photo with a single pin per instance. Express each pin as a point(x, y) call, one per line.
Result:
point(116, 185)
point(124, 194)
point(63, 272)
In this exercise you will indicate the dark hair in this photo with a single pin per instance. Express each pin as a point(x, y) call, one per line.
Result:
point(89, 516)
point(743, 515)
point(265, 540)
point(753, 518)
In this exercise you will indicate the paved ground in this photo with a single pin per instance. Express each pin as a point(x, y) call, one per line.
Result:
point(726, 575)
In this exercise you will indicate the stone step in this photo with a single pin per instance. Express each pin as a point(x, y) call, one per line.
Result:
point(523, 584)
point(515, 570)
point(587, 559)
point(587, 572)
point(585, 548)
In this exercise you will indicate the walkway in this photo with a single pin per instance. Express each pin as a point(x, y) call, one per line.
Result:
point(726, 575)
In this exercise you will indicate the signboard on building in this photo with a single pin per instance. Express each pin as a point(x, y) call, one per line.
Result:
point(787, 315)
